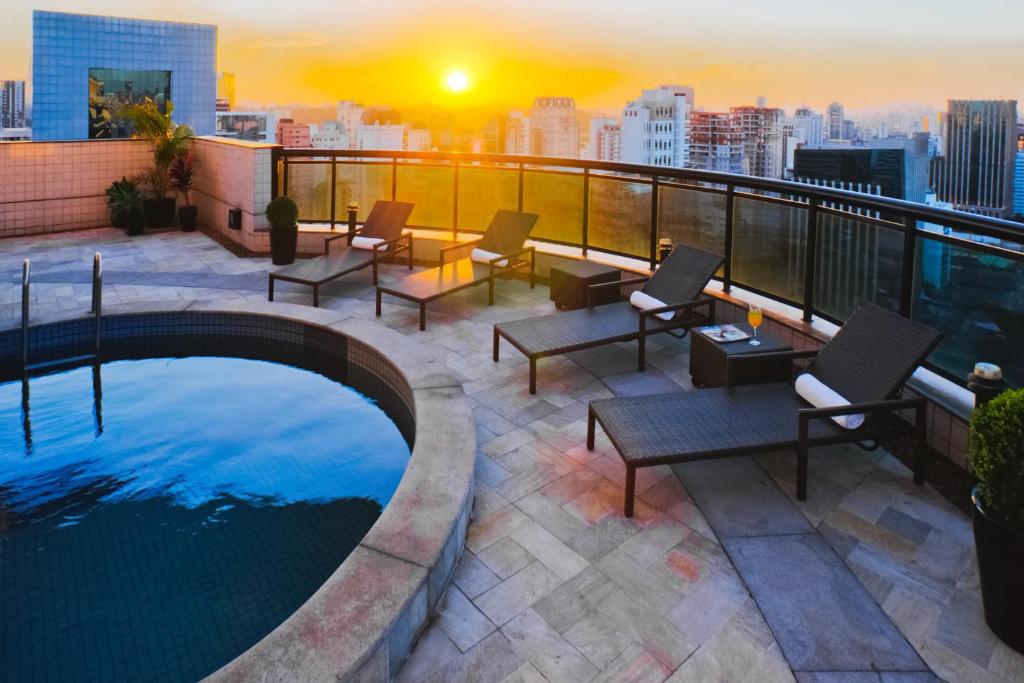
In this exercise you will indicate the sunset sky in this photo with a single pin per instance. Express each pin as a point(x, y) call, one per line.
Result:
point(602, 52)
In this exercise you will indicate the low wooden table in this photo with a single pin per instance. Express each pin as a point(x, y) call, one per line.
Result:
point(569, 282)
point(708, 360)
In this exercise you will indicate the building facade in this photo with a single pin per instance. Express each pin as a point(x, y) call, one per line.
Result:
point(976, 172)
point(225, 91)
point(84, 67)
point(255, 126)
point(834, 121)
point(517, 133)
point(293, 134)
point(1018, 177)
point(554, 128)
point(763, 139)
point(605, 140)
point(715, 143)
point(894, 167)
point(655, 127)
point(12, 104)
point(329, 135)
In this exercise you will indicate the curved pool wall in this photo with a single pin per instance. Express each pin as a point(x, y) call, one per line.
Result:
point(362, 622)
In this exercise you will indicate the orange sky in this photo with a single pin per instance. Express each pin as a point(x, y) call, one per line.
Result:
point(864, 54)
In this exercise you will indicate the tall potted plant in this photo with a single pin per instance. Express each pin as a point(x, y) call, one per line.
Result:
point(997, 459)
point(118, 220)
point(182, 171)
point(168, 140)
point(126, 206)
point(283, 216)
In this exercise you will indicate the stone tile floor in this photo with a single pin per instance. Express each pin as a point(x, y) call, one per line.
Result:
point(555, 584)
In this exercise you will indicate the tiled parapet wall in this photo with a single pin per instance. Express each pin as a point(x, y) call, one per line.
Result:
point(55, 186)
point(234, 174)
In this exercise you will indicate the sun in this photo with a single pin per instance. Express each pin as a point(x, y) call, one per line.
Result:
point(456, 81)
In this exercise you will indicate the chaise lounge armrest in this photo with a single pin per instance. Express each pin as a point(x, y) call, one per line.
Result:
point(609, 285)
point(732, 361)
point(509, 257)
point(675, 309)
point(805, 415)
point(453, 247)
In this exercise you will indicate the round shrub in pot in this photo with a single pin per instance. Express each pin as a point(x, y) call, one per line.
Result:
point(997, 459)
point(283, 216)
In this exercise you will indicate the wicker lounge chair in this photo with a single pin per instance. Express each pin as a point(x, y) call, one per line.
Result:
point(504, 236)
point(867, 362)
point(679, 282)
point(386, 222)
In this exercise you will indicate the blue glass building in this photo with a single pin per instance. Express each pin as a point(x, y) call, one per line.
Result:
point(84, 66)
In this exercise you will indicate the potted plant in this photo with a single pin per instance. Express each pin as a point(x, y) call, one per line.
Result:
point(115, 189)
point(997, 459)
point(283, 216)
point(126, 204)
point(168, 140)
point(182, 171)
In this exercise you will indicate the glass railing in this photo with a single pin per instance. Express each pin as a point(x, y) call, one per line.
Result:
point(823, 251)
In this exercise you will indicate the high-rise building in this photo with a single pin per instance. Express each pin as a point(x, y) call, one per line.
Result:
point(894, 167)
point(605, 140)
point(225, 91)
point(12, 104)
point(293, 134)
point(1018, 177)
point(976, 172)
point(763, 145)
point(257, 126)
point(554, 128)
point(517, 133)
point(329, 135)
point(808, 127)
point(834, 121)
point(350, 115)
point(715, 143)
point(380, 128)
point(492, 136)
point(655, 127)
point(419, 140)
point(84, 67)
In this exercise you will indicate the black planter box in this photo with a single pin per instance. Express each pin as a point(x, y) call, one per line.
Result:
point(159, 212)
point(1001, 570)
point(187, 218)
point(283, 242)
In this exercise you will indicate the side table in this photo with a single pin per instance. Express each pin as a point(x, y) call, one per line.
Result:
point(709, 359)
point(569, 282)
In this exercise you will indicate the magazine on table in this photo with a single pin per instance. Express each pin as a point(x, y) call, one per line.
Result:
point(723, 333)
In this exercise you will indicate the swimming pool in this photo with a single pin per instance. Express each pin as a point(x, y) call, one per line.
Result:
point(160, 516)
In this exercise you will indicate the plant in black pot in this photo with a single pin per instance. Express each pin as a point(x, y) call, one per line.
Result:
point(997, 459)
point(168, 140)
point(116, 188)
point(182, 171)
point(283, 216)
point(126, 204)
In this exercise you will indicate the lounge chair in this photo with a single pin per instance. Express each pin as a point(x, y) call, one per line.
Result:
point(677, 285)
point(499, 252)
point(381, 236)
point(867, 362)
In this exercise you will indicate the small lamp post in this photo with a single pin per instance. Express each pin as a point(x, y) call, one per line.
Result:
point(986, 382)
point(353, 212)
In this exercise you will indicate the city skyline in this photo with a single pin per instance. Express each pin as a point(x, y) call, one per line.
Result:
point(598, 53)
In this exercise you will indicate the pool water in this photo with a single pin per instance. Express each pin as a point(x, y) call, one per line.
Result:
point(158, 517)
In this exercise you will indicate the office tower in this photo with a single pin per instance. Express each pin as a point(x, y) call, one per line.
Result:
point(762, 131)
point(834, 122)
point(976, 172)
point(492, 136)
point(350, 115)
point(894, 167)
point(605, 140)
point(225, 91)
point(715, 143)
point(517, 133)
point(1018, 177)
point(808, 126)
point(256, 126)
point(849, 131)
point(84, 67)
point(554, 129)
point(655, 127)
point(12, 104)
point(293, 134)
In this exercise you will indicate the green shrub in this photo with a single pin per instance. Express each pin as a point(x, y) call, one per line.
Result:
point(997, 456)
point(282, 213)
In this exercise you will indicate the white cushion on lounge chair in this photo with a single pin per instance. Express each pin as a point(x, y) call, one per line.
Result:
point(366, 242)
point(484, 256)
point(820, 395)
point(645, 302)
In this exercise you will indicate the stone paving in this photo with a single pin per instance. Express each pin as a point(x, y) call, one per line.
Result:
point(556, 585)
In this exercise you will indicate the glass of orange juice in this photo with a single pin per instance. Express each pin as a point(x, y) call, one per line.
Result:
point(755, 318)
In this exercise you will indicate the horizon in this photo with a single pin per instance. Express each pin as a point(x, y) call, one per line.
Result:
point(602, 55)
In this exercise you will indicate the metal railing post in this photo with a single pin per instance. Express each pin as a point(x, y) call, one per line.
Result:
point(25, 268)
point(909, 263)
point(810, 259)
point(275, 160)
point(522, 175)
point(394, 178)
point(730, 192)
point(334, 189)
point(97, 299)
point(284, 176)
point(654, 222)
point(585, 237)
point(455, 203)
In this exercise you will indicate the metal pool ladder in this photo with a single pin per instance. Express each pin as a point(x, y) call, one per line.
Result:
point(95, 311)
